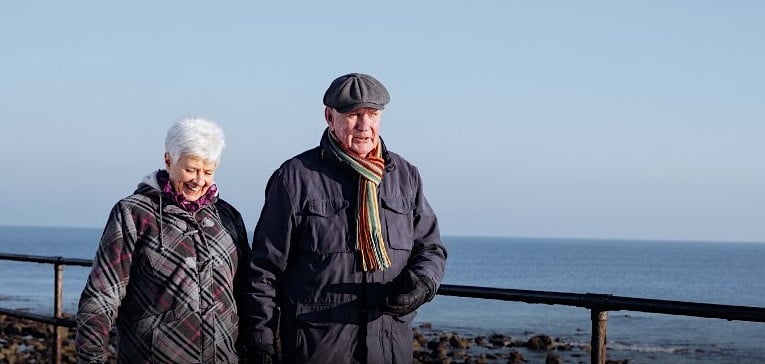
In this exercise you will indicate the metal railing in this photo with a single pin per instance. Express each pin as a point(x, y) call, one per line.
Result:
point(58, 294)
point(598, 304)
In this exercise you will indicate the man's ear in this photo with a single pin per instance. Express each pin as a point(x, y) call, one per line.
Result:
point(328, 115)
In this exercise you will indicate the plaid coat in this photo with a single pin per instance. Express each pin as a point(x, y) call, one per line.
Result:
point(169, 280)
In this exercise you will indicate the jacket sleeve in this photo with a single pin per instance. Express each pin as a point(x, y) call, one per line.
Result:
point(234, 224)
point(105, 287)
point(270, 250)
point(429, 252)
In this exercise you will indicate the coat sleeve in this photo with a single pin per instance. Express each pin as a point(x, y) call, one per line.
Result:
point(270, 250)
point(234, 224)
point(429, 252)
point(105, 287)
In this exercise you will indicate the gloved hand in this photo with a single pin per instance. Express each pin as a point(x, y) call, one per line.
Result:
point(408, 292)
point(260, 354)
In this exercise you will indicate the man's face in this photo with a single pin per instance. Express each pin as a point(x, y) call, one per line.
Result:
point(357, 130)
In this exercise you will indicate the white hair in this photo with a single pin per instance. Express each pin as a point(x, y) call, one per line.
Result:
point(194, 136)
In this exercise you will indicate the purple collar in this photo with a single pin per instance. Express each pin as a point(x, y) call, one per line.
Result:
point(163, 179)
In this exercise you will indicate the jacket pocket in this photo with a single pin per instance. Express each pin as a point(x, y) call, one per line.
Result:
point(317, 328)
point(326, 227)
point(144, 340)
point(398, 213)
point(177, 339)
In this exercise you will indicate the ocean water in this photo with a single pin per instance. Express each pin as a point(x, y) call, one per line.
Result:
point(712, 272)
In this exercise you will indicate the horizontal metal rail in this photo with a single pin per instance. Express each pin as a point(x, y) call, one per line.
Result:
point(57, 320)
point(598, 304)
point(607, 302)
point(50, 320)
point(45, 259)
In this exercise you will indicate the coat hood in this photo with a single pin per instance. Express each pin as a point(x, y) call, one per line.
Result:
point(149, 186)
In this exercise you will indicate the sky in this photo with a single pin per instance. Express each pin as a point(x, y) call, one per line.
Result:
point(586, 119)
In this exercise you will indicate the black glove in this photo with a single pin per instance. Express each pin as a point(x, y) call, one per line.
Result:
point(408, 292)
point(260, 354)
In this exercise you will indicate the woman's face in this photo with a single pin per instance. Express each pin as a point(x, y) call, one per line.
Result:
point(191, 176)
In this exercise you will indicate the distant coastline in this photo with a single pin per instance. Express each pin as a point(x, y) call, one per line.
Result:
point(473, 236)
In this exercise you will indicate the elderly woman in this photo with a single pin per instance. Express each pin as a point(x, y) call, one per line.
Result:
point(169, 270)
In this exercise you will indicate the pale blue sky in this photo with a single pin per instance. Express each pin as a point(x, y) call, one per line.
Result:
point(594, 119)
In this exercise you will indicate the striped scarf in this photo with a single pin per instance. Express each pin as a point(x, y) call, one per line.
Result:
point(369, 239)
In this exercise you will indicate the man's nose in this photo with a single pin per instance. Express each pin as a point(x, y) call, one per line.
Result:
point(364, 122)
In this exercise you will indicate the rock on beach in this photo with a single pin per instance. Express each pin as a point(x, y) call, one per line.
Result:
point(432, 346)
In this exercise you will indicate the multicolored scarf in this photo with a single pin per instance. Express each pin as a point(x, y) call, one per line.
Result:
point(369, 238)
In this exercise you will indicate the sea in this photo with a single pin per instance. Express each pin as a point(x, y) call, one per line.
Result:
point(730, 273)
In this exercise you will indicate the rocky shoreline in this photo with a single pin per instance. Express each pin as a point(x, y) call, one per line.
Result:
point(25, 341)
point(432, 346)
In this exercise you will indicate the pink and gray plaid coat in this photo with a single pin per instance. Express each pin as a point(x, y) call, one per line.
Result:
point(168, 280)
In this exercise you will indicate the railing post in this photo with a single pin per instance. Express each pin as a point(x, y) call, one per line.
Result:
point(58, 288)
point(598, 342)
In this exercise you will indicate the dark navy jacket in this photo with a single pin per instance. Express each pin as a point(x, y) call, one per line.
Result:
point(306, 270)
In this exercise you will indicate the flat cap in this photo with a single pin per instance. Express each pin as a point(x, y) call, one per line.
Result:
point(356, 90)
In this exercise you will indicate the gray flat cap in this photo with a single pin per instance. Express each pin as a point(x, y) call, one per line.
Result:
point(355, 90)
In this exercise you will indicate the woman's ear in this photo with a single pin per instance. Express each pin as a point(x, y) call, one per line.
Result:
point(168, 160)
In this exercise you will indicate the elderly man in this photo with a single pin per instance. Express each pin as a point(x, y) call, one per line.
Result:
point(346, 247)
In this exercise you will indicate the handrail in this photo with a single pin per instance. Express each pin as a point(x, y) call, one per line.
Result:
point(46, 259)
point(58, 293)
point(599, 304)
point(50, 320)
point(607, 302)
